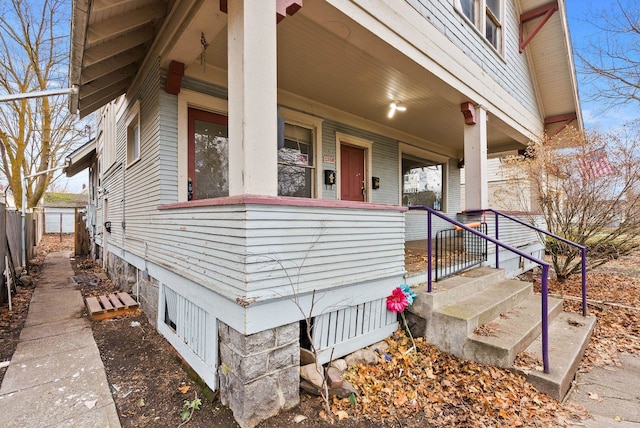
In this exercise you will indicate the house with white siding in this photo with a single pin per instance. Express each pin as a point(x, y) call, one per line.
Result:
point(255, 159)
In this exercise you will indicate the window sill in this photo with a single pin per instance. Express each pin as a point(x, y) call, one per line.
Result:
point(133, 162)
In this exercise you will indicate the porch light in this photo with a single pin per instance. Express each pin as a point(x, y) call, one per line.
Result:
point(393, 107)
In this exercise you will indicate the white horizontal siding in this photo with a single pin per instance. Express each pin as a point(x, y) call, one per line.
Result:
point(333, 247)
point(511, 72)
point(259, 250)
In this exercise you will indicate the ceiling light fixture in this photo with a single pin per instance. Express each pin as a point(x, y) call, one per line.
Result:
point(393, 107)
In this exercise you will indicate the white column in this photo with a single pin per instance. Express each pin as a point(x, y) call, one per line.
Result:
point(475, 162)
point(252, 81)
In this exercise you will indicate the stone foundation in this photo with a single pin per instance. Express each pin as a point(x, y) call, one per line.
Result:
point(259, 373)
point(124, 277)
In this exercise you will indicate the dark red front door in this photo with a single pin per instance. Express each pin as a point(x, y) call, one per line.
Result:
point(352, 179)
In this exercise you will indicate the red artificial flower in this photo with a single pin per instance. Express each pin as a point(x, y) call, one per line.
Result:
point(397, 302)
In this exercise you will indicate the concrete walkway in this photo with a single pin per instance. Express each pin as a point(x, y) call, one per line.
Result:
point(611, 395)
point(56, 377)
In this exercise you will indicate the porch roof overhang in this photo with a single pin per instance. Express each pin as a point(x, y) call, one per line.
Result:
point(81, 158)
point(551, 57)
point(323, 55)
point(109, 41)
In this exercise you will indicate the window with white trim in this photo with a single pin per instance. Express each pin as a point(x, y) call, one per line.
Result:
point(423, 182)
point(486, 16)
point(297, 172)
point(296, 166)
point(133, 134)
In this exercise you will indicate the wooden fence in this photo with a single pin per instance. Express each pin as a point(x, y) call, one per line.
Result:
point(3, 250)
point(11, 241)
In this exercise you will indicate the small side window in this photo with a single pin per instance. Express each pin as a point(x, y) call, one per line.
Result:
point(133, 135)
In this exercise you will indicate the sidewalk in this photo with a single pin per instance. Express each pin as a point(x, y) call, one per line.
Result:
point(56, 377)
point(611, 395)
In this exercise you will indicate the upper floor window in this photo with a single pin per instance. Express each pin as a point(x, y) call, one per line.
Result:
point(486, 16)
point(133, 135)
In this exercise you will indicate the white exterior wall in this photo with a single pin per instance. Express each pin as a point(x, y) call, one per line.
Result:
point(510, 70)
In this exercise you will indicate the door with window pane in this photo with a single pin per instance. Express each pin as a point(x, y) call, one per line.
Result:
point(208, 155)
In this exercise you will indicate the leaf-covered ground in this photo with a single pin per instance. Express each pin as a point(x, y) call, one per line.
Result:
point(438, 389)
point(613, 293)
point(423, 389)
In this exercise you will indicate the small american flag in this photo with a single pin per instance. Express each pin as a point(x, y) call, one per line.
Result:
point(593, 165)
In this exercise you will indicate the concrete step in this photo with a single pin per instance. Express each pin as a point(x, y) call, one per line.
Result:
point(455, 288)
point(450, 325)
point(569, 334)
point(510, 333)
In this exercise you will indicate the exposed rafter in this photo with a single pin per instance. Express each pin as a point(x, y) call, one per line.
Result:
point(120, 44)
point(565, 119)
point(124, 23)
point(544, 11)
point(111, 64)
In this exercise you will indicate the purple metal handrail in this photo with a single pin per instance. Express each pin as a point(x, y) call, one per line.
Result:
point(583, 250)
point(544, 265)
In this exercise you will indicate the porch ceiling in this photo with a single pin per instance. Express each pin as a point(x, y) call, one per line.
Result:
point(323, 56)
point(326, 57)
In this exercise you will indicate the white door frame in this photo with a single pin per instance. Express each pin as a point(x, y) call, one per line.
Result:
point(367, 145)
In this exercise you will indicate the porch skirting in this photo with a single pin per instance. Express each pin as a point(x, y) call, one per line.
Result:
point(257, 371)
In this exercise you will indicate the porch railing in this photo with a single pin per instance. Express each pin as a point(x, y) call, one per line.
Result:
point(544, 266)
point(457, 250)
point(581, 248)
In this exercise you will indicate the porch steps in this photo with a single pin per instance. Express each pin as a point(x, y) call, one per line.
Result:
point(569, 336)
point(509, 334)
point(459, 320)
point(481, 316)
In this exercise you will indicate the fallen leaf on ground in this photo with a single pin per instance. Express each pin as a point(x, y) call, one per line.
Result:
point(184, 389)
point(299, 418)
point(341, 414)
point(594, 396)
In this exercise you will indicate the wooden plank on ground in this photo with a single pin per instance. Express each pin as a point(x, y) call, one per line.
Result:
point(104, 301)
point(115, 301)
point(111, 306)
point(127, 300)
point(93, 305)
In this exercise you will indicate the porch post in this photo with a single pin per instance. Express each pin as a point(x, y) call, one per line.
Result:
point(475, 158)
point(252, 83)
